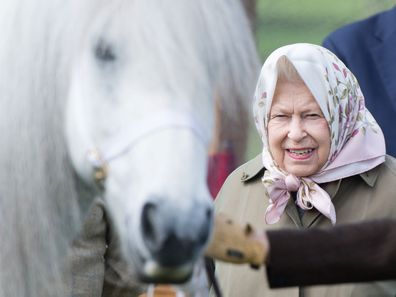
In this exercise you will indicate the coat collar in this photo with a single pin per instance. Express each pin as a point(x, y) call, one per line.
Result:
point(255, 169)
point(252, 168)
point(370, 177)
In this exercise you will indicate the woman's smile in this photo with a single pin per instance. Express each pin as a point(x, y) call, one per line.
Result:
point(300, 154)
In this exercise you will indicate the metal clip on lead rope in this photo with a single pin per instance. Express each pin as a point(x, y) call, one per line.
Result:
point(99, 167)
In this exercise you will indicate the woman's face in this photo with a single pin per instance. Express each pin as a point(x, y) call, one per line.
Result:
point(298, 133)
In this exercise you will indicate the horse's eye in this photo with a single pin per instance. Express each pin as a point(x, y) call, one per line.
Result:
point(104, 51)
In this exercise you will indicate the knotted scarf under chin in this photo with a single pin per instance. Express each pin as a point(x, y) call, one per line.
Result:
point(309, 195)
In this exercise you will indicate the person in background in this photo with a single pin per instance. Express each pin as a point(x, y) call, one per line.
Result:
point(368, 49)
point(323, 163)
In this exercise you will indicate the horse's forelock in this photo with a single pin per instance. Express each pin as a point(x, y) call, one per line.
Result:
point(213, 37)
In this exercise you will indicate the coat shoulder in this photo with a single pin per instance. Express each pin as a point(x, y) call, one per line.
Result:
point(237, 183)
point(390, 165)
point(383, 173)
point(362, 27)
point(247, 171)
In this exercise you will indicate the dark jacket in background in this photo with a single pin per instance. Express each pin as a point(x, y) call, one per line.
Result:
point(368, 48)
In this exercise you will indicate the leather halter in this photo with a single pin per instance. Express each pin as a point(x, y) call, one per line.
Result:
point(100, 155)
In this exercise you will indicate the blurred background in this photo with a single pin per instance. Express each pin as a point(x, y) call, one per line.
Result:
point(281, 22)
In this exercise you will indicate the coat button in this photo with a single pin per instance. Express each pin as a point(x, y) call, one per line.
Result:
point(245, 176)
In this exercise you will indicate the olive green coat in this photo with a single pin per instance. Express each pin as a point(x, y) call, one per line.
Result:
point(243, 197)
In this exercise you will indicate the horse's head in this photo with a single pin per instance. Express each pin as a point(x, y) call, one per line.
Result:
point(140, 92)
point(140, 113)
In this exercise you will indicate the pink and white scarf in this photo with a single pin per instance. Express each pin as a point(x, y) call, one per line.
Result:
point(357, 142)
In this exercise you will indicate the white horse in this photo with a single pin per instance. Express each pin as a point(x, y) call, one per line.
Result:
point(122, 88)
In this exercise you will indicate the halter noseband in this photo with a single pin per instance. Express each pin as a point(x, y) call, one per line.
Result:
point(99, 156)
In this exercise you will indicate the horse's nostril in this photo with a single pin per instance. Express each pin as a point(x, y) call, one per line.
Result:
point(148, 225)
point(173, 240)
point(176, 251)
point(209, 214)
point(205, 228)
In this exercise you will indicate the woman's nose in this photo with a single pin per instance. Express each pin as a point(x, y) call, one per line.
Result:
point(296, 129)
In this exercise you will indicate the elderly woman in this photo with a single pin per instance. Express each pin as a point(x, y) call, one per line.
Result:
point(323, 163)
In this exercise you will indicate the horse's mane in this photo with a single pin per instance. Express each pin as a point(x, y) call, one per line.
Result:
point(40, 199)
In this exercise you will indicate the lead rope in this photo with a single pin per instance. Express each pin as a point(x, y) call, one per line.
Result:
point(210, 273)
point(150, 290)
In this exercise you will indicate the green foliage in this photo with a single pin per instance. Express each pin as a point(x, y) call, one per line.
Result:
point(281, 22)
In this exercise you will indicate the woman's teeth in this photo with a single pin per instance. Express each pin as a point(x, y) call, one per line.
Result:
point(301, 152)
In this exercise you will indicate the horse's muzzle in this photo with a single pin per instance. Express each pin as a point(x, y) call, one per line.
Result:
point(174, 239)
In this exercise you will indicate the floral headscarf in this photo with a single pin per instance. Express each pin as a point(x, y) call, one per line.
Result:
point(357, 142)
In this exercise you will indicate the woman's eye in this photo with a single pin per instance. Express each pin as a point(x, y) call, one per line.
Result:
point(279, 116)
point(313, 115)
point(104, 52)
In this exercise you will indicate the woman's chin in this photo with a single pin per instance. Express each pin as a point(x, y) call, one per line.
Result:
point(302, 170)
